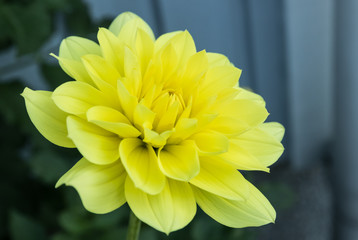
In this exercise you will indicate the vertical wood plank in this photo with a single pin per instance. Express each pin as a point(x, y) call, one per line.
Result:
point(309, 36)
point(346, 132)
point(268, 53)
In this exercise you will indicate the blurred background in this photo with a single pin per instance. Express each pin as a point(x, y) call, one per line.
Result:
point(300, 55)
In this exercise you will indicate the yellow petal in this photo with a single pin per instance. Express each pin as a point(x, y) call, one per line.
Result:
point(95, 144)
point(263, 146)
point(74, 69)
point(127, 32)
point(210, 142)
point(217, 59)
point(100, 71)
point(112, 120)
point(184, 46)
point(255, 211)
point(112, 49)
point(145, 49)
point(242, 159)
point(221, 179)
point(219, 78)
point(274, 129)
point(195, 69)
point(132, 72)
point(71, 51)
point(184, 128)
point(168, 211)
point(167, 120)
point(229, 126)
point(247, 111)
point(141, 164)
point(169, 59)
point(75, 47)
point(49, 120)
point(249, 95)
point(155, 139)
point(180, 161)
point(143, 116)
point(101, 187)
point(127, 101)
point(77, 97)
point(163, 40)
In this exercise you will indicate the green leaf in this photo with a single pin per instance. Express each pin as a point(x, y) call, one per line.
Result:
point(75, 221)
point(30, 24)
point(25, 228)
point(48, 166)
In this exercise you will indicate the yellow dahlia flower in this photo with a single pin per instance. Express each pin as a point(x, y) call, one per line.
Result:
point(160, 126)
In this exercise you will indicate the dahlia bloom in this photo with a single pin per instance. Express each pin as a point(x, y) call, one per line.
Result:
point(160, 126)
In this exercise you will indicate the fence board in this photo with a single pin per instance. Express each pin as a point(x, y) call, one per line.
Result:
point(309, 35)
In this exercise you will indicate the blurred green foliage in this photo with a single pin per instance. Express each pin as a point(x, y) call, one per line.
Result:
point(30, 207)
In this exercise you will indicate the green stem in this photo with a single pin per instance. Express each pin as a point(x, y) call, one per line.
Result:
point(133, 228)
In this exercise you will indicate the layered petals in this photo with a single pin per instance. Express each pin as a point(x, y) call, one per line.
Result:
point(141, 164)
point(170, 210)
point(101, 187)
point(221, 179)
point(112, 120)
point(71, 51)
point(260, 144)
point(160, 126)
point(47, 117)
point(77, 97)
point(95, 144)
point(180, 161)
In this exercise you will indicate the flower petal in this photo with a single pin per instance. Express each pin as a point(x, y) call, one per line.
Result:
point(49, 120)
point(101, 187)
point(247, 111)
point(221, 179)
point(143, 116)
point(77, 97)
point(74, 69)
point(75, 47)
point(127, 101)
point(100, 71)
point(274, 129)
point(112, 120)
point(170, 210)
point(184, 46)
point(260, 144)
point(255, 211)
point(210, 142)
point(163, 40)
point(141, 165)
point(155, 139)
point(71, 51)
point(217, 59)
point(112, 49)
point(249, 95)
point(179, 162)
point(96, 144)
point(145, 48)
point(242, 159)
point(127, 24)
point(219, 78)
point(184, 128)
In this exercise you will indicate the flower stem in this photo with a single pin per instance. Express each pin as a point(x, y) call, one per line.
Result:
point(133, 228)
